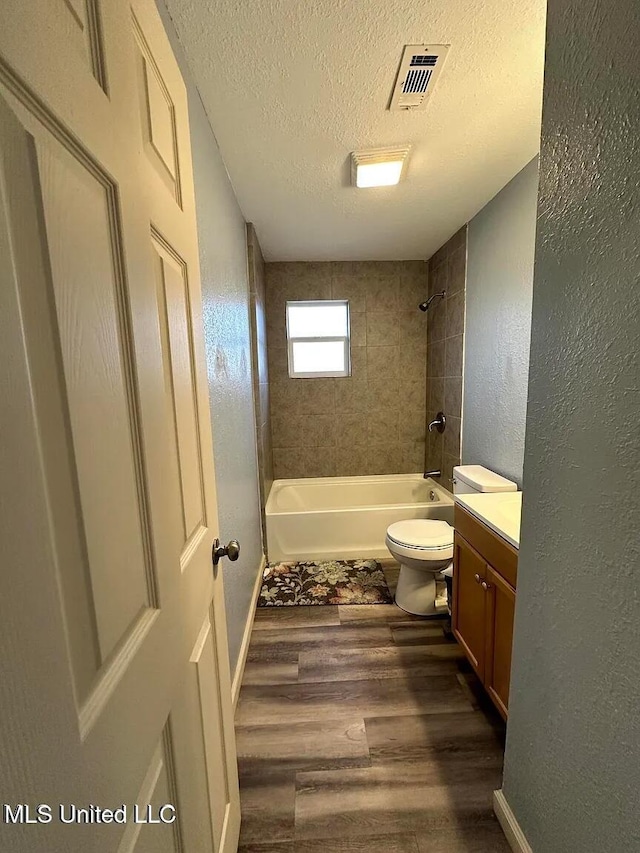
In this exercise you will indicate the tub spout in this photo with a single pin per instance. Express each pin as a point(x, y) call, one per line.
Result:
point(428, 474)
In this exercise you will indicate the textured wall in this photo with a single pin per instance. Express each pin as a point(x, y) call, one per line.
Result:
point(225, 291)
point(260, 369)
point(372, 422)
point(572, 768)
point(500, 248)
point(445, 353)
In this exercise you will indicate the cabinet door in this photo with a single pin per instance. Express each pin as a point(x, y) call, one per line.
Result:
point(469, 603)
point(501, 602)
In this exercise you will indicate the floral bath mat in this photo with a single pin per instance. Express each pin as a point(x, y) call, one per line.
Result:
point(324, 582)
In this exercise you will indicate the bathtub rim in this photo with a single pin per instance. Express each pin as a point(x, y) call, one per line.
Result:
point(446, 496)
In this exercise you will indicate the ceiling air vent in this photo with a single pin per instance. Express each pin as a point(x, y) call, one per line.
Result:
point(419, 69)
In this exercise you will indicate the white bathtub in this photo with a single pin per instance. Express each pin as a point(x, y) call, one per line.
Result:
point(347, 517)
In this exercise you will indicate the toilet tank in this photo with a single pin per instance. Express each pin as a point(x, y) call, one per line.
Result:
point(468, 479)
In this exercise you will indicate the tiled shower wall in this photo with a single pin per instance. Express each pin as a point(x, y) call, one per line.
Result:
point(447, 271)
point(372, 422)
point(260, 366)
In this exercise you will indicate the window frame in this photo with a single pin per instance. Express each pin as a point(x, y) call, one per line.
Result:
point(345, 339)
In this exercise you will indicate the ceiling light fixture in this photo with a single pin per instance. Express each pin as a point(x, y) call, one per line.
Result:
point(380, 167)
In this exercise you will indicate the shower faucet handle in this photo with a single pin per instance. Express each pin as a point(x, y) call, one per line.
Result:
point(439, 423)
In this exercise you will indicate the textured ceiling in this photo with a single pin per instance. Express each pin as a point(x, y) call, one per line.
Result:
point(291, 88)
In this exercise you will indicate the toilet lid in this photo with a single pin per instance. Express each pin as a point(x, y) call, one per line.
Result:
point(424, 533)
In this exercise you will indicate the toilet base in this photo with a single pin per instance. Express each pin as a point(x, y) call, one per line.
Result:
point(416, 591)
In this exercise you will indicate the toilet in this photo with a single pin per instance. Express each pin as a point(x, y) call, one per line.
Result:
point(424, 546)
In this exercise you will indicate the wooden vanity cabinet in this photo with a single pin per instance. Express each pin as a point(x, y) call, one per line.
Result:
point(501, 605)
point(484, 597)
point(470, 604)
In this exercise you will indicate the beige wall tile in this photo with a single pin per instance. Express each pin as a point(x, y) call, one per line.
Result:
point(435, 450)
point(435, 359)
point(412, 393)
point(318, 396)
point(383, 363)
point(382, 329)
point(382, 294)
point(287, 397)
point(459, 239)
point(412, 362)
point(413, 286)
point(344, 285)
point(313, 273)
point(319, 462)
point(437, 320)
point(448, 464)
point(306, 287)
point(455, 314)
point(351, 396)
point(457, 270)
point(447, 270)
point(352, 461)
point(385, 459)
point(413, 457)
point(276, 270)
point(381, 270)
point(288, 462)
point(348, 269)
point(381, 394)
point(416, 269)
point(412, 426)
point(452, 437)
point(382, 428)
point(438, 276)
point(286, 429)
point(318, 430)
point(438, 257)
point(278, 364)
point(412, 328)
point(358, 323)
point(453, 396)
point(453, 356)
point(350, 430)
point(276, 327)
point(355, 425)
point(359, 362)
point(436, 402)
point(298, 430)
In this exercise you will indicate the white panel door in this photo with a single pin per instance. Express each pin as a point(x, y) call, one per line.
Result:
point(114, 676)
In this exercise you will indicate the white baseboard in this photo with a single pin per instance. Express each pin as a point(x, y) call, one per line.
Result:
point(510, 826)
point(246, 637)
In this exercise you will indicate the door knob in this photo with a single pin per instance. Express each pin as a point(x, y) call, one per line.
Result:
point(232, 551)
point(477, 578)
point(485, 585)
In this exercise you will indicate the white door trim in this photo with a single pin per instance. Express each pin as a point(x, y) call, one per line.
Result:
point(510, 826)
point(246, 637)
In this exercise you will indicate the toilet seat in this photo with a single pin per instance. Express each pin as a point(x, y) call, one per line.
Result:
point(422, 538)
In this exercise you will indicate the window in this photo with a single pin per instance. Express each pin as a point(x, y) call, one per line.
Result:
point(318, 338)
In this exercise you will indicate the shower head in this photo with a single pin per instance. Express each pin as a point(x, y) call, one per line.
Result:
point(424, 306)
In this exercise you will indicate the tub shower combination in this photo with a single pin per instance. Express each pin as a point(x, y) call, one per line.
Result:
point(347, 517)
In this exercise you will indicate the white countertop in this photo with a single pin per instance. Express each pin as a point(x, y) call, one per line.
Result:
point(499, 511)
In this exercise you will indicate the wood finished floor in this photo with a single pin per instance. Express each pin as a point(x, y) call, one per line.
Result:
point(363, 730)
